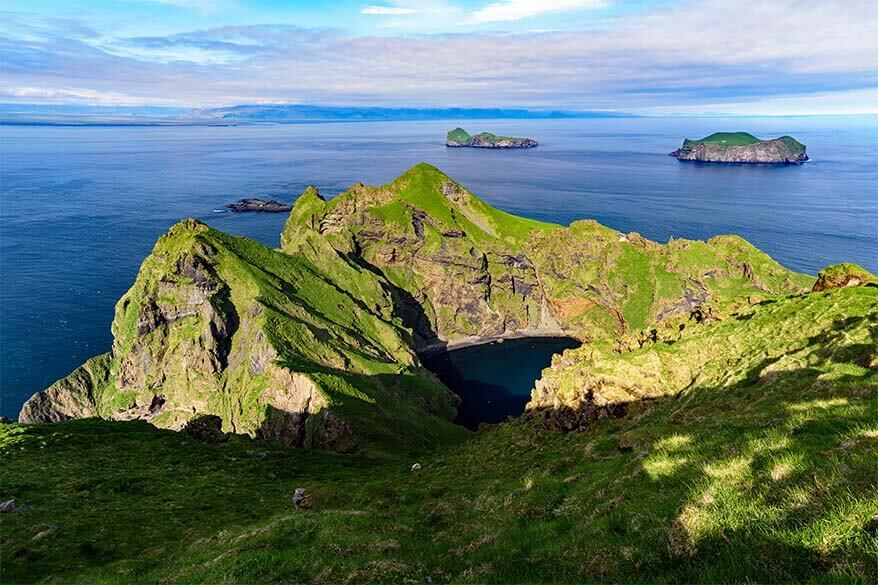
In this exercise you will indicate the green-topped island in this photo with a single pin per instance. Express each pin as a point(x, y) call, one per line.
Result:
point(742, 148)
point(460, 138)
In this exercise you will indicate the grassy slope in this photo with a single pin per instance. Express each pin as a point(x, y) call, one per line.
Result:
point(463, 137)
point(768, 475)
point(593, 273)
point(729, 139)
point(484, 229)
point(609, 284)
point(744, 139)
point(495, 137)
point(459, 135)
point(325, 318)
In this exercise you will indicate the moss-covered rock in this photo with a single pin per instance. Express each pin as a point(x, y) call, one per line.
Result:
point(842, 275)
point(778, 336)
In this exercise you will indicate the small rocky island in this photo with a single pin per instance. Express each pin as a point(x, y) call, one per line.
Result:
point(460, 138)
point(742, 148)
point(270, 206)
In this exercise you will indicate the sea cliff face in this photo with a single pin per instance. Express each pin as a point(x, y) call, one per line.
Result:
point(302, 348)
point(778, 337)
point(742, 148)
point(316, 344)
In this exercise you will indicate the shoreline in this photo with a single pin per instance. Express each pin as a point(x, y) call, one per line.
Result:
point(435, 349)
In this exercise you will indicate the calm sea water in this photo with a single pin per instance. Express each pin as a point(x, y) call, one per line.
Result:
point(81, 207)
point(494, 380)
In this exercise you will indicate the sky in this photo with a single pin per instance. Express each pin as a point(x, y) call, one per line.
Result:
point(648, 57)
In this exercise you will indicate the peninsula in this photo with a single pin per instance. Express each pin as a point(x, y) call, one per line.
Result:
point(717, 422)
point(742, 148)
point(460, 138)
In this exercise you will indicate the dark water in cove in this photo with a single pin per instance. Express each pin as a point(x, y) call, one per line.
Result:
point(494, 380)
point(81, 207)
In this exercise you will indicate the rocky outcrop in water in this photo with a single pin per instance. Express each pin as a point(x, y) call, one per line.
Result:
point(260, 205)
point(459, 138)
point(742, 148)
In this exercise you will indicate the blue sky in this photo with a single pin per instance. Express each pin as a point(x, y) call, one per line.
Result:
point(688, 57)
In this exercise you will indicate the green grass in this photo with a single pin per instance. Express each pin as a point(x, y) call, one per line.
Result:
point(743, 139)
point(794, 145)
point(764, 475)
point(728, 139)
point(496, 138)
point(459, 135)
point(310, 318)
point(604, 285)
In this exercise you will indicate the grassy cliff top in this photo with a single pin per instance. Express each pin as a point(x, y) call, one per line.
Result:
point(729, 139)
point(744, 139)
point(459, 135)
point(424, 188)
point(495, 137)
point(463, 137)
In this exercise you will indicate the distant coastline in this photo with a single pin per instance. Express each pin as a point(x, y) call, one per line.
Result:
point(46, 115)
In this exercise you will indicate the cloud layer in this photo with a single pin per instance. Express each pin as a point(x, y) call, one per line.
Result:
point(685, 56)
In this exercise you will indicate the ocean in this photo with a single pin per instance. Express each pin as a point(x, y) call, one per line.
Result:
point(80, 207)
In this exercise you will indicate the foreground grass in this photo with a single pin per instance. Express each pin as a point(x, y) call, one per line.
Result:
point(774, 479)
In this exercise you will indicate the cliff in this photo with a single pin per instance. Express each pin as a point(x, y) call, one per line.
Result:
point(459, 138)
point(303, 348)
point(463, 271)
point(741, 147)
point(316, 344)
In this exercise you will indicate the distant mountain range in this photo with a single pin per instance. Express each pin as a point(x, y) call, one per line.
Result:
point(39, 114)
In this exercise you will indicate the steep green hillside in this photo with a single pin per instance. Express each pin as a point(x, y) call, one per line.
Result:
point(315, 345)
point(302, 348)
point(458, 135)
point(473, 271)
point(761, 468)
point(728, 139)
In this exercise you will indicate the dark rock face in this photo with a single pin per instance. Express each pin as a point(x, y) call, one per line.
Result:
point(207, 428)
point(764, 152)
point(260, 205)
point(566, 419)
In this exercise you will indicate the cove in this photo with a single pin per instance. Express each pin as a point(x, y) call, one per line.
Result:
point(494, 380)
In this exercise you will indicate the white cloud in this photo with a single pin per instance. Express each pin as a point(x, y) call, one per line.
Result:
point(717, 58)
point(512, 10)
point(388, 10)
point(78, 95)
